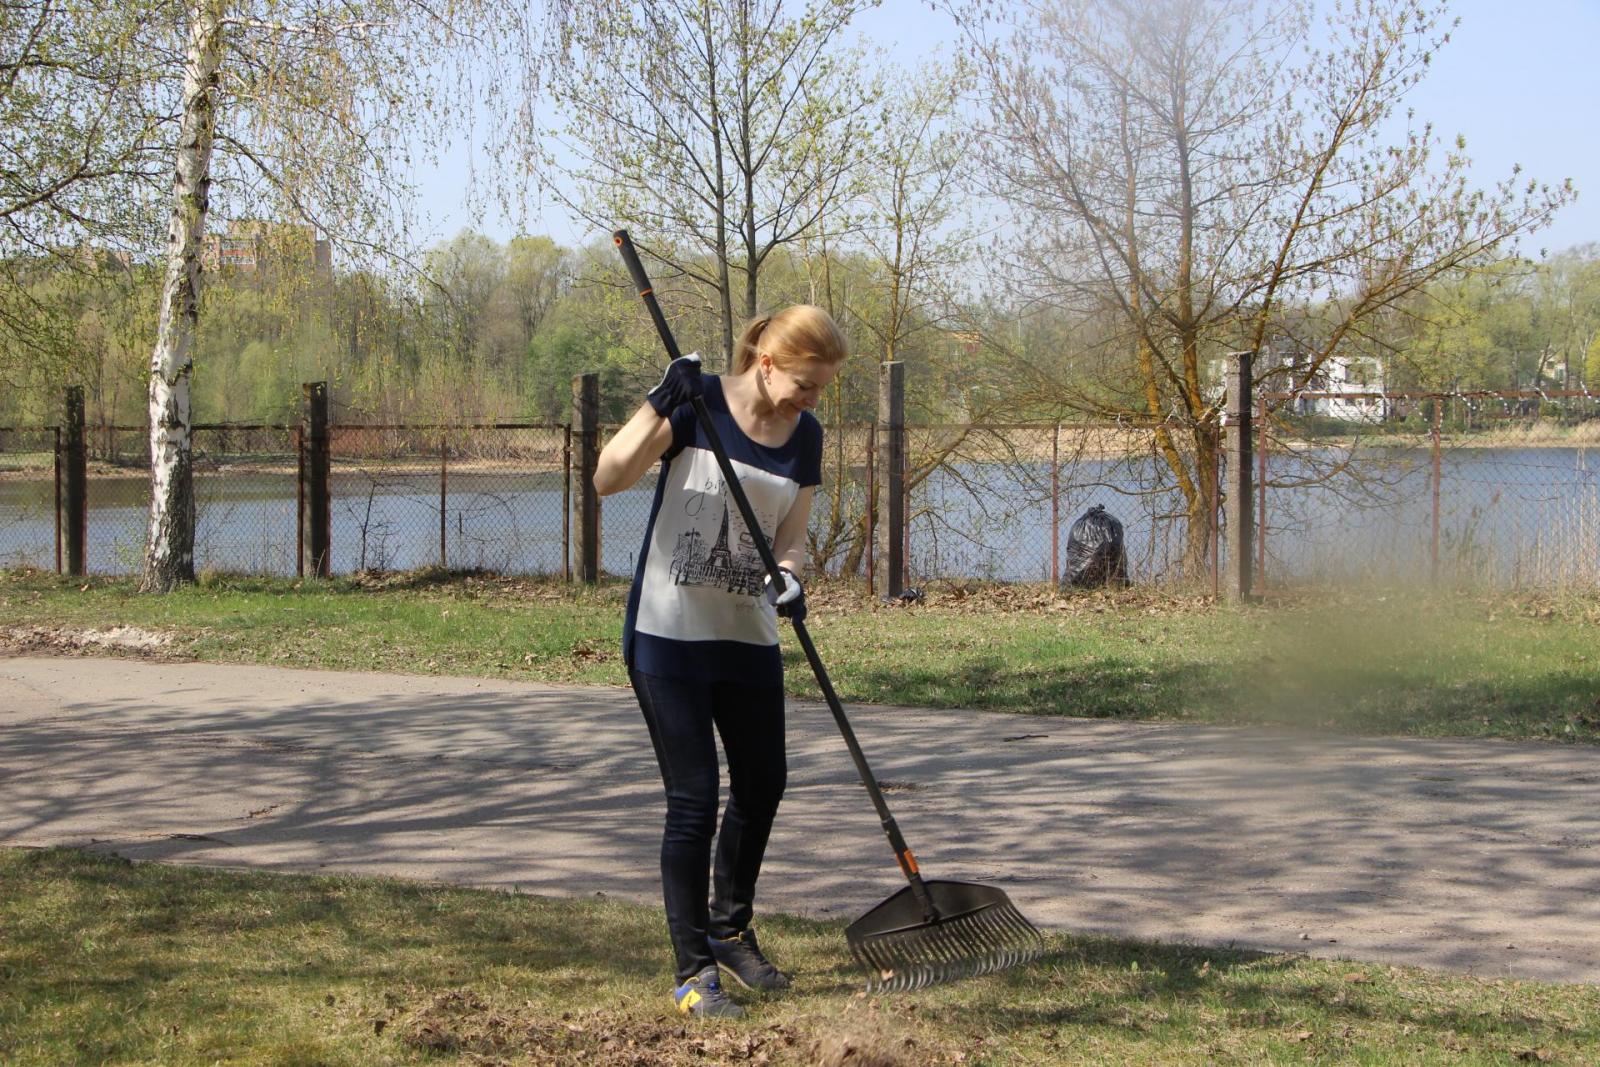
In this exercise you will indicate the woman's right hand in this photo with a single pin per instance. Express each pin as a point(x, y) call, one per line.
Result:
point(680, 384)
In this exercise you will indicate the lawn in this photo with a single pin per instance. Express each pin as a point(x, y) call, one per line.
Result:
point(104, 961)
point(1424, 664)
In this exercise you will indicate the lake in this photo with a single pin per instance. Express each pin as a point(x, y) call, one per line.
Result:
point(1507, 516)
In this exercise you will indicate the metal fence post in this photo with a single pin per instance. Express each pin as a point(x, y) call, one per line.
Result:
point(872, 503)
point(300, 502)
point(1261, 498)
point(444, 484)
point(1055, 505)
point(892, 478)
point(318, 478)
point(586, 421)
point(75, 526)
point(57, 432)
point(1213, 475)
point(1239, 510)
point(1439, 413)
point(566, 502)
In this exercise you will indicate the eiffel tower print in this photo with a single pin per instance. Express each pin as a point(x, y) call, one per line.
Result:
point(718, 566)
point(720, 560)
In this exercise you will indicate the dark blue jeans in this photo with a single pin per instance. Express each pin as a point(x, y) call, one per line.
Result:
point(681, 716)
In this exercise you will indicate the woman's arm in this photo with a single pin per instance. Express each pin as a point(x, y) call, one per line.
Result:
point(789, 546)
point(637, 447)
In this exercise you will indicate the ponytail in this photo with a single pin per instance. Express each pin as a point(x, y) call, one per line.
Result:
point(799, 333)
point(747, 350)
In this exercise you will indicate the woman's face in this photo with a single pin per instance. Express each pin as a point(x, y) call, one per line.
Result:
point(797, 390)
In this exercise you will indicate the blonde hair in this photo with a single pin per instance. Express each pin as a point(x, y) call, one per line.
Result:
point(795, 335)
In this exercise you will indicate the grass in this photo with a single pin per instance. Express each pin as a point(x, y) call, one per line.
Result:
point(104, 961)
point(1424, 665)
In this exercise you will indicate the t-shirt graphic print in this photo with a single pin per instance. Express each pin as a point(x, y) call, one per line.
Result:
point(696, 609)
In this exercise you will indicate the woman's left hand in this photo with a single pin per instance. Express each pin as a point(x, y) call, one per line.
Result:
point(791, 603)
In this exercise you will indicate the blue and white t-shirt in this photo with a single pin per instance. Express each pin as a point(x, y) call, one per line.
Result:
point(696, 610)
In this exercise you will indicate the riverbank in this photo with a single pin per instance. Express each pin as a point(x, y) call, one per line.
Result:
point(1405, 663)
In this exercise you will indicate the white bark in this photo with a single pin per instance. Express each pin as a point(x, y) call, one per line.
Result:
point(169, 557)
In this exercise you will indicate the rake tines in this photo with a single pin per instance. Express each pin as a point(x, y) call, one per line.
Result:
point(977, 930)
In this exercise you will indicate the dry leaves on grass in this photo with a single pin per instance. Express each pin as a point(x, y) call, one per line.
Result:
point(58, 639)
point(463, 1023)
point(994, 598)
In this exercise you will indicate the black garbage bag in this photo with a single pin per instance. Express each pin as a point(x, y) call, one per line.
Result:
point(1095, 553)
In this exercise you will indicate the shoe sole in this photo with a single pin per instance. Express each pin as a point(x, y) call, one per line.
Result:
point(731, 973)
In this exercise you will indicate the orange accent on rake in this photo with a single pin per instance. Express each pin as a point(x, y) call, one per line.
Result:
point(909, 862)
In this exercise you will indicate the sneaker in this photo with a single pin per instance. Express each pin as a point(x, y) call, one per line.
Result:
point(744, 960)
point(702, 995)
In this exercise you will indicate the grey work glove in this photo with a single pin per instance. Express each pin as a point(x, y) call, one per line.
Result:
point(680, 384)
point(791, 603)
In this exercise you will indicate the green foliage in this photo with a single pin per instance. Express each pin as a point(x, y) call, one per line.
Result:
point(1417, 663)
point(555, 357)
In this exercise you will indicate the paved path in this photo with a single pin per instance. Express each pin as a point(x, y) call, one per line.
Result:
point(1470, 856)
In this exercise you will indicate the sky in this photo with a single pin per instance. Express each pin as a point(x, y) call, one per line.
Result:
point(1518, 79)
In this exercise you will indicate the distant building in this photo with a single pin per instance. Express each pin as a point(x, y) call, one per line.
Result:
point(971, 341)
point(255, 245)
point(96, 258)
point(1343, 380)
point(1341, 385)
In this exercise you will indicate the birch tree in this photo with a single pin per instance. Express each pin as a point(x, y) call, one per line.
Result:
point(301, 110)
point(1199, 176)
point(719, 133)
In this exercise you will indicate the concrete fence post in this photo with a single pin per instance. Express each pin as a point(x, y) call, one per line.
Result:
point(1239, 506)
point(891, 480)
point(586, 517)
point(318, 479)
point(75, 483)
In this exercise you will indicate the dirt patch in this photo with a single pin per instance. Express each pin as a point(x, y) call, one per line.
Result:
point(465, 1024)
point(72, 639)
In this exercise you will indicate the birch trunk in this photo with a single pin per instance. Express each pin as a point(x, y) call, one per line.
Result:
point(169, 557)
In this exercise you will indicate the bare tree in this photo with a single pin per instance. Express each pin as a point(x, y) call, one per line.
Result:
point(78, 170)
point(911, 241)
point(1198, 176)
point(719, 132)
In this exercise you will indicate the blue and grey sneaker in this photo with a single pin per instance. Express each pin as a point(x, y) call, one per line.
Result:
point(744, 960)
point(703, 995)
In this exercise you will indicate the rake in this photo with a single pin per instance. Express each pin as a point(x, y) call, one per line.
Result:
point(932, 930)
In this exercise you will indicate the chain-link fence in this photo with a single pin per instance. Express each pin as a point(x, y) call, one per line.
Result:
point(1487, 490)
point(1482, 489)
point(490, 498)
point(28, 497)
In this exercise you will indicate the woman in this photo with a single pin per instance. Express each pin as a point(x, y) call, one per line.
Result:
point(701, 636)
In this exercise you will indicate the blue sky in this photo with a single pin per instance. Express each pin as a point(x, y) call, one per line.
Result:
point(1519, 80)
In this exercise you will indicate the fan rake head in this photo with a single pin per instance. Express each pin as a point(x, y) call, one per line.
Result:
point(977, 930)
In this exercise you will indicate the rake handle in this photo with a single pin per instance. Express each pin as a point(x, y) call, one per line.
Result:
point(902, 852)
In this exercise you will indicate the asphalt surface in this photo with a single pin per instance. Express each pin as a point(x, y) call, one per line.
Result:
point(1468, 856)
